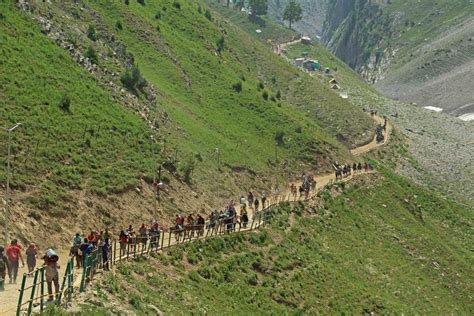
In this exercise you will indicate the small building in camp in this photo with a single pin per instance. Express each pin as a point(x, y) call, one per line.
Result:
point(333, 81)
point(311, 65)
point(306, 40)
point(299, 62)
point(335, 87)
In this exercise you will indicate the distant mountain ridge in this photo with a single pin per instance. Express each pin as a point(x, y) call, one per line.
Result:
point(416, 51)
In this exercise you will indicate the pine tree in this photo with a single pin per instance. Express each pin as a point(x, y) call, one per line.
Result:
point(293, 12)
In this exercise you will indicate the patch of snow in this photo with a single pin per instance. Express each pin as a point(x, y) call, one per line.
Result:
point(433, 108)
point(467, 117)
point(258, 31)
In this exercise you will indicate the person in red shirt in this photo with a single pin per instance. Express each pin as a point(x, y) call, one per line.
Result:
point(92, 238)
point(14, 255)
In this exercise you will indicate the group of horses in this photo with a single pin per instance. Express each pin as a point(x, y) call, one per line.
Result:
point(342, 171)
point(308, 184)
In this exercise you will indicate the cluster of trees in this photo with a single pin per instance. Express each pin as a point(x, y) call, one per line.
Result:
point(292, 13)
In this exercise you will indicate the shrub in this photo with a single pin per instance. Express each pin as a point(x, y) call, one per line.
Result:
point(91, 33)
point(199, 9)
point(299, 130)
point(118, 25)
point(176, 4)
point(92, 55)
point(133, 80)
point(188, 169)
point(127, 2)
point(142, 2)
point(265, 95)
point(65, 103)
point(278, 95)
point(279, 138)
point(237, 87)
point(273, 99)
point(158, 15)
point(158, 28)
point(220, 44)
point(260, 85)
point(208, 15)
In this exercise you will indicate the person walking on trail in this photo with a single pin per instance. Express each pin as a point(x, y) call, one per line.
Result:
point(264, 199)
point(123, 239)
point(256, 203)
point(51, 267)
point(31, 254)
point(131, 237)
point(14, 257)
point(75, 250)
point(142, 231)
point(77, 240)
point(92, 238)
point(105, 254)
point(3, 268)
point(86, 248)
point(250, 199)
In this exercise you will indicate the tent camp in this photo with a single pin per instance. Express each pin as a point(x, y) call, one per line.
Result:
point(311, 65)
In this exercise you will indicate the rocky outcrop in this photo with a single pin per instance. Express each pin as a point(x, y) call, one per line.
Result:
point(314, 14)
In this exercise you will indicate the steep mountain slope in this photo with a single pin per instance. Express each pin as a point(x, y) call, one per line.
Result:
point(380, 245)
point(203, 85)
point(314, 15)
point(415, 51)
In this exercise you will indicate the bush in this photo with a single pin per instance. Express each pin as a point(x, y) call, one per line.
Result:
point(176, 4)
point(260, 85)
point(118, 25)
point(265, 95)
point(208, 15)
point(92, 55)
point(279, 138)
point(91, 33)
point(199, 9)
point(220, 44)
point(237, 87)
point(65, 103)
point(127, 2)
point(278, 95)
point(133, 80)
point(188, 169)
point(142, 2)
point(158, 15)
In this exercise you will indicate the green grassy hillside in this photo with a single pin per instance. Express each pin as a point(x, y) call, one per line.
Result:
point(378, 245)
point(208, 85)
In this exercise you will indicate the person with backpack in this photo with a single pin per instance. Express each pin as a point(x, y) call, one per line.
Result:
point(31, 254)
point(86, 248)
point(3, 268)
point(14, 257)
point(51, 267)
point(256, 203)
point(264, 199)
point(123, 239)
